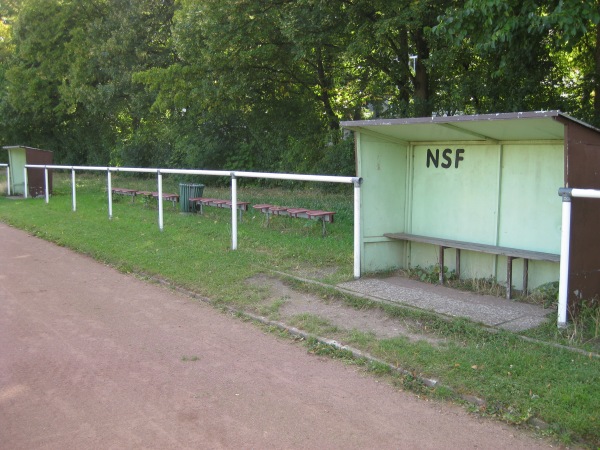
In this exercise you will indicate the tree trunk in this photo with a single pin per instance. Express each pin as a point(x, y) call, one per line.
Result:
point(333, 122)
point(421, 78)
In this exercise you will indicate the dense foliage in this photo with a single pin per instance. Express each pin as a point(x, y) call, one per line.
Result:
point(263, 84)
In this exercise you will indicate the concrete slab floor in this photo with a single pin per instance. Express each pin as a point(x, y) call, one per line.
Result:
point(489, 310)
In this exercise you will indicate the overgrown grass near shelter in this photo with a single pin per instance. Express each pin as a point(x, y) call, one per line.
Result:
point(518, 379)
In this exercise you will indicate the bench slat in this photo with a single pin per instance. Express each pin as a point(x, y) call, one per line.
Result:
point(484, 248)
point(510, 253)
point(327, 216)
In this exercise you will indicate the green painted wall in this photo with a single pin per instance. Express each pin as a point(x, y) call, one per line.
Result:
point(530, 216)
point(383, 166)
point(458, 201)
point(17, 161)
point(500, 194)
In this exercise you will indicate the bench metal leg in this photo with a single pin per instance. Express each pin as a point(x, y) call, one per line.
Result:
point(509, 261)
point(525, 276)
point(441, 259)
point(457, 269)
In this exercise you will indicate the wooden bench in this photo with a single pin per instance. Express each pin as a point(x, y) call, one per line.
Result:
point(205, 201)
point(174, 198)
point(122, 191)
point(510, 253)
point(296, 213)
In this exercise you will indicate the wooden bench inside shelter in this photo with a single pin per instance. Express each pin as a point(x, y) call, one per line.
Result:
point(510, 253)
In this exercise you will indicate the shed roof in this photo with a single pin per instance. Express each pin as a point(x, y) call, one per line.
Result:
point(8, 147)
point(522, 126)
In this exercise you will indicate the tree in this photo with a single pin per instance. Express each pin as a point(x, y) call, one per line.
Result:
point(242, 90)
point(392, 41)
point(6, 55)
point(70, 81)
point(528, 54)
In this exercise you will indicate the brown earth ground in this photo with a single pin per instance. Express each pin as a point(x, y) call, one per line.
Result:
point(91, 358)
point(344, 317)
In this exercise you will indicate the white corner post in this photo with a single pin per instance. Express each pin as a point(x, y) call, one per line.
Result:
point(234, 229)
point(160, 201)
point(565, 245)
point(25, 183)
point(46, 190)
point(357, 230)
point(8, 180)
point(73, 189)
point(109, 192)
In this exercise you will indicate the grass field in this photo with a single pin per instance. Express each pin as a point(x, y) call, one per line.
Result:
point(519, 379)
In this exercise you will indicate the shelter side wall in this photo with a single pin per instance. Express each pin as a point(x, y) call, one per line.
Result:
point(584, 264)
point(17, 160)
point(383, 167)
point(583, 171)
point(36, 177)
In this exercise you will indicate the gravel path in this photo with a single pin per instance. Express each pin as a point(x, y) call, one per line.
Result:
point(91, 358)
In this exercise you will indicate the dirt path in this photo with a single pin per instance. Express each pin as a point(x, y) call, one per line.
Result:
point(91, 358)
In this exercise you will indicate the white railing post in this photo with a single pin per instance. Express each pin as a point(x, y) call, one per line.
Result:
point(109, 193)
point(46, 190)
point(233, 211)
point(234, 176)
point(160, 201)
point(357, 231)
point(8, 180)
point(565, 245)
point(25, 182)
point(73, 189)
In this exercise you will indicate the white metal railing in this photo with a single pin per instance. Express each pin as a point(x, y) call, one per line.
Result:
point(7, 178)
point(234, 175)
point(565, 245)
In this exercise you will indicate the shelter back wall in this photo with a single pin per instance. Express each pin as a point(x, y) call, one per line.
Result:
point(499, 194)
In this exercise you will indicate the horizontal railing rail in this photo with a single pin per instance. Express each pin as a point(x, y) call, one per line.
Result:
point(233, 175)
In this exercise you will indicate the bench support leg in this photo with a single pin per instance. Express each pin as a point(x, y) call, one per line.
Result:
point(509, 261)
point(441, 259)
point(457, 267)
point(525, 276)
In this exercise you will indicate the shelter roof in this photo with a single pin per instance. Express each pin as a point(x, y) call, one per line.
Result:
point(521, 126)
point(8, 147)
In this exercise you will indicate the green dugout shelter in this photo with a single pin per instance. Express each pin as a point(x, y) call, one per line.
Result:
point(18, 157)
point(479, 194)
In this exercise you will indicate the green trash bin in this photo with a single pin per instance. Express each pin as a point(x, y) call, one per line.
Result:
point(187, 191)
